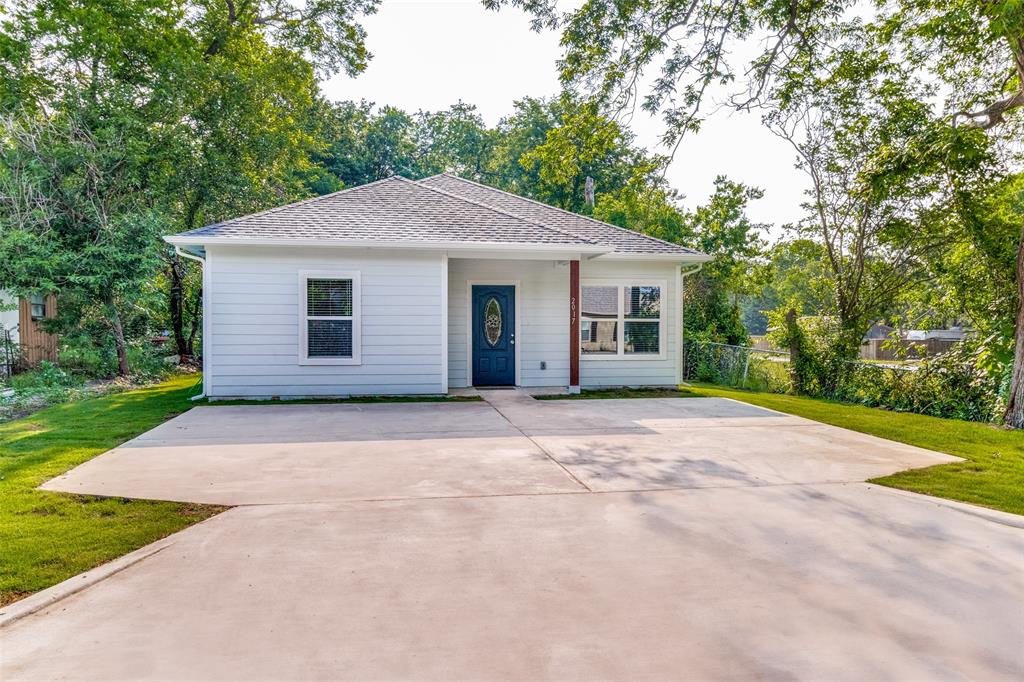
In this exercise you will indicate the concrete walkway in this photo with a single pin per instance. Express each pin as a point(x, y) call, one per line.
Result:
point(522, 539)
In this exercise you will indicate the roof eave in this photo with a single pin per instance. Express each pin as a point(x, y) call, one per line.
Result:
point(199, 240)
point(668, 257)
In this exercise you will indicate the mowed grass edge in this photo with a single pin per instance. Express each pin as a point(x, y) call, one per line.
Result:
point(48, 537)
point(992, 474)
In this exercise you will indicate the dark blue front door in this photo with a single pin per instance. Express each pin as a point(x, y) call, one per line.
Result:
point(494, 335)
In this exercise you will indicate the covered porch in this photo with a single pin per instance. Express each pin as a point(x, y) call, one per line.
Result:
point(558, 321)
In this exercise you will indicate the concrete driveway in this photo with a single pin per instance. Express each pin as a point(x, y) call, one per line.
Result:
point(640, 539)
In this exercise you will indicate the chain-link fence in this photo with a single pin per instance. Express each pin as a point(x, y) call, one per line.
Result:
point(768, 370)
point(947, 385)
point(737, 366)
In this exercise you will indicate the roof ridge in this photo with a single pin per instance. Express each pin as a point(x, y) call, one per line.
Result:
point(556, 208)
point(301, 202)
point(550, 228)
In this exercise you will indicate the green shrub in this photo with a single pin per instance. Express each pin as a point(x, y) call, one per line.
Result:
point(48, 384)
point(149, 362)
point(146, 361)
point(46, 377)
point(959, 384)
point(952, 385)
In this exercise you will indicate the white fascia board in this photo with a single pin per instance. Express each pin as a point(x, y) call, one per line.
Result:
point(684, 258)
point(179, 240)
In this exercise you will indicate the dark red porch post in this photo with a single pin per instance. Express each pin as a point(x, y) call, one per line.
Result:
point(574, 326)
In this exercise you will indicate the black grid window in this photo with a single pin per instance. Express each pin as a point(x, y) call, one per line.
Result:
point(620, 320)
point(642, 325)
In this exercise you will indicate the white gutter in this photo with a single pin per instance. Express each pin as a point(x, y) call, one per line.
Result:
point(565, 251)
point(680, 350)
point(202, 263)
point(690, 259)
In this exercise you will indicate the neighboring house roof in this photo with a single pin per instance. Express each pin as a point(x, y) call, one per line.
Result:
point(619, 238)
point(397, 211)
point(879, 330)
point(942, 334)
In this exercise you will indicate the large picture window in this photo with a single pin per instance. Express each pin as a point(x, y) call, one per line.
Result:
point(329, 320)
point(621, 319)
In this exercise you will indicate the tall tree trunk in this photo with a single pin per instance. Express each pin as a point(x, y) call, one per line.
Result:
point(795, 369)
point(119, 344)
point(176, 305)
point(1015, 404)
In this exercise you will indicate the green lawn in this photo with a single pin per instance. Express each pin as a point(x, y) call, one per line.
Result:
point(47, 537)
point(992, 476)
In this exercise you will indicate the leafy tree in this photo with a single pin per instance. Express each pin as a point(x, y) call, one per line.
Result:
point(968, 56)
point(455, 141)
point(209, 101)
point(793, 275)
point(69, 221)
point(873, 253)
point(548, 148)
point(582, 144)
point(363, 145)
point(651, 209)
point(721, 228)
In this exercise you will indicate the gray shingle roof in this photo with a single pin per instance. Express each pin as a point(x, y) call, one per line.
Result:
point(443, 209)
point(391, 210)
point(619, 238)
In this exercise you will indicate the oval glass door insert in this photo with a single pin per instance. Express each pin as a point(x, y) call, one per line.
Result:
point(492, 321)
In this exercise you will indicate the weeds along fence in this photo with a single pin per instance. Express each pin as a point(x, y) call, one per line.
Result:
point(946, 385)
point(737, 366)
point(762, 369)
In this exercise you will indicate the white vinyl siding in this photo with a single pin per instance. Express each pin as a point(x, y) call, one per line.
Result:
point(254, 315)
point(543, 317)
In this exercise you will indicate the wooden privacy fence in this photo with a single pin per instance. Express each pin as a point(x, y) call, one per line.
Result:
point(887, 349)
point(884, 349)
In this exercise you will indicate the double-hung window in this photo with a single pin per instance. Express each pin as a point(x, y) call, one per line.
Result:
point(622, 319)
point(329, 318)
point(37, 304)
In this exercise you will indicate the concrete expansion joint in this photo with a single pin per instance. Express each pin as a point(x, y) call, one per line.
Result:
point(554, 493)
point(537, 445)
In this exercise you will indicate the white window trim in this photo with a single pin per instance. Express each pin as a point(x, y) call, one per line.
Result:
point(357, 344)
point(621, 354)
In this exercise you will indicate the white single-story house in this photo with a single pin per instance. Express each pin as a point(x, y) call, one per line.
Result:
point(403, 287)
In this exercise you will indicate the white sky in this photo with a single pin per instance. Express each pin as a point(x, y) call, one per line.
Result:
point(429, 54)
